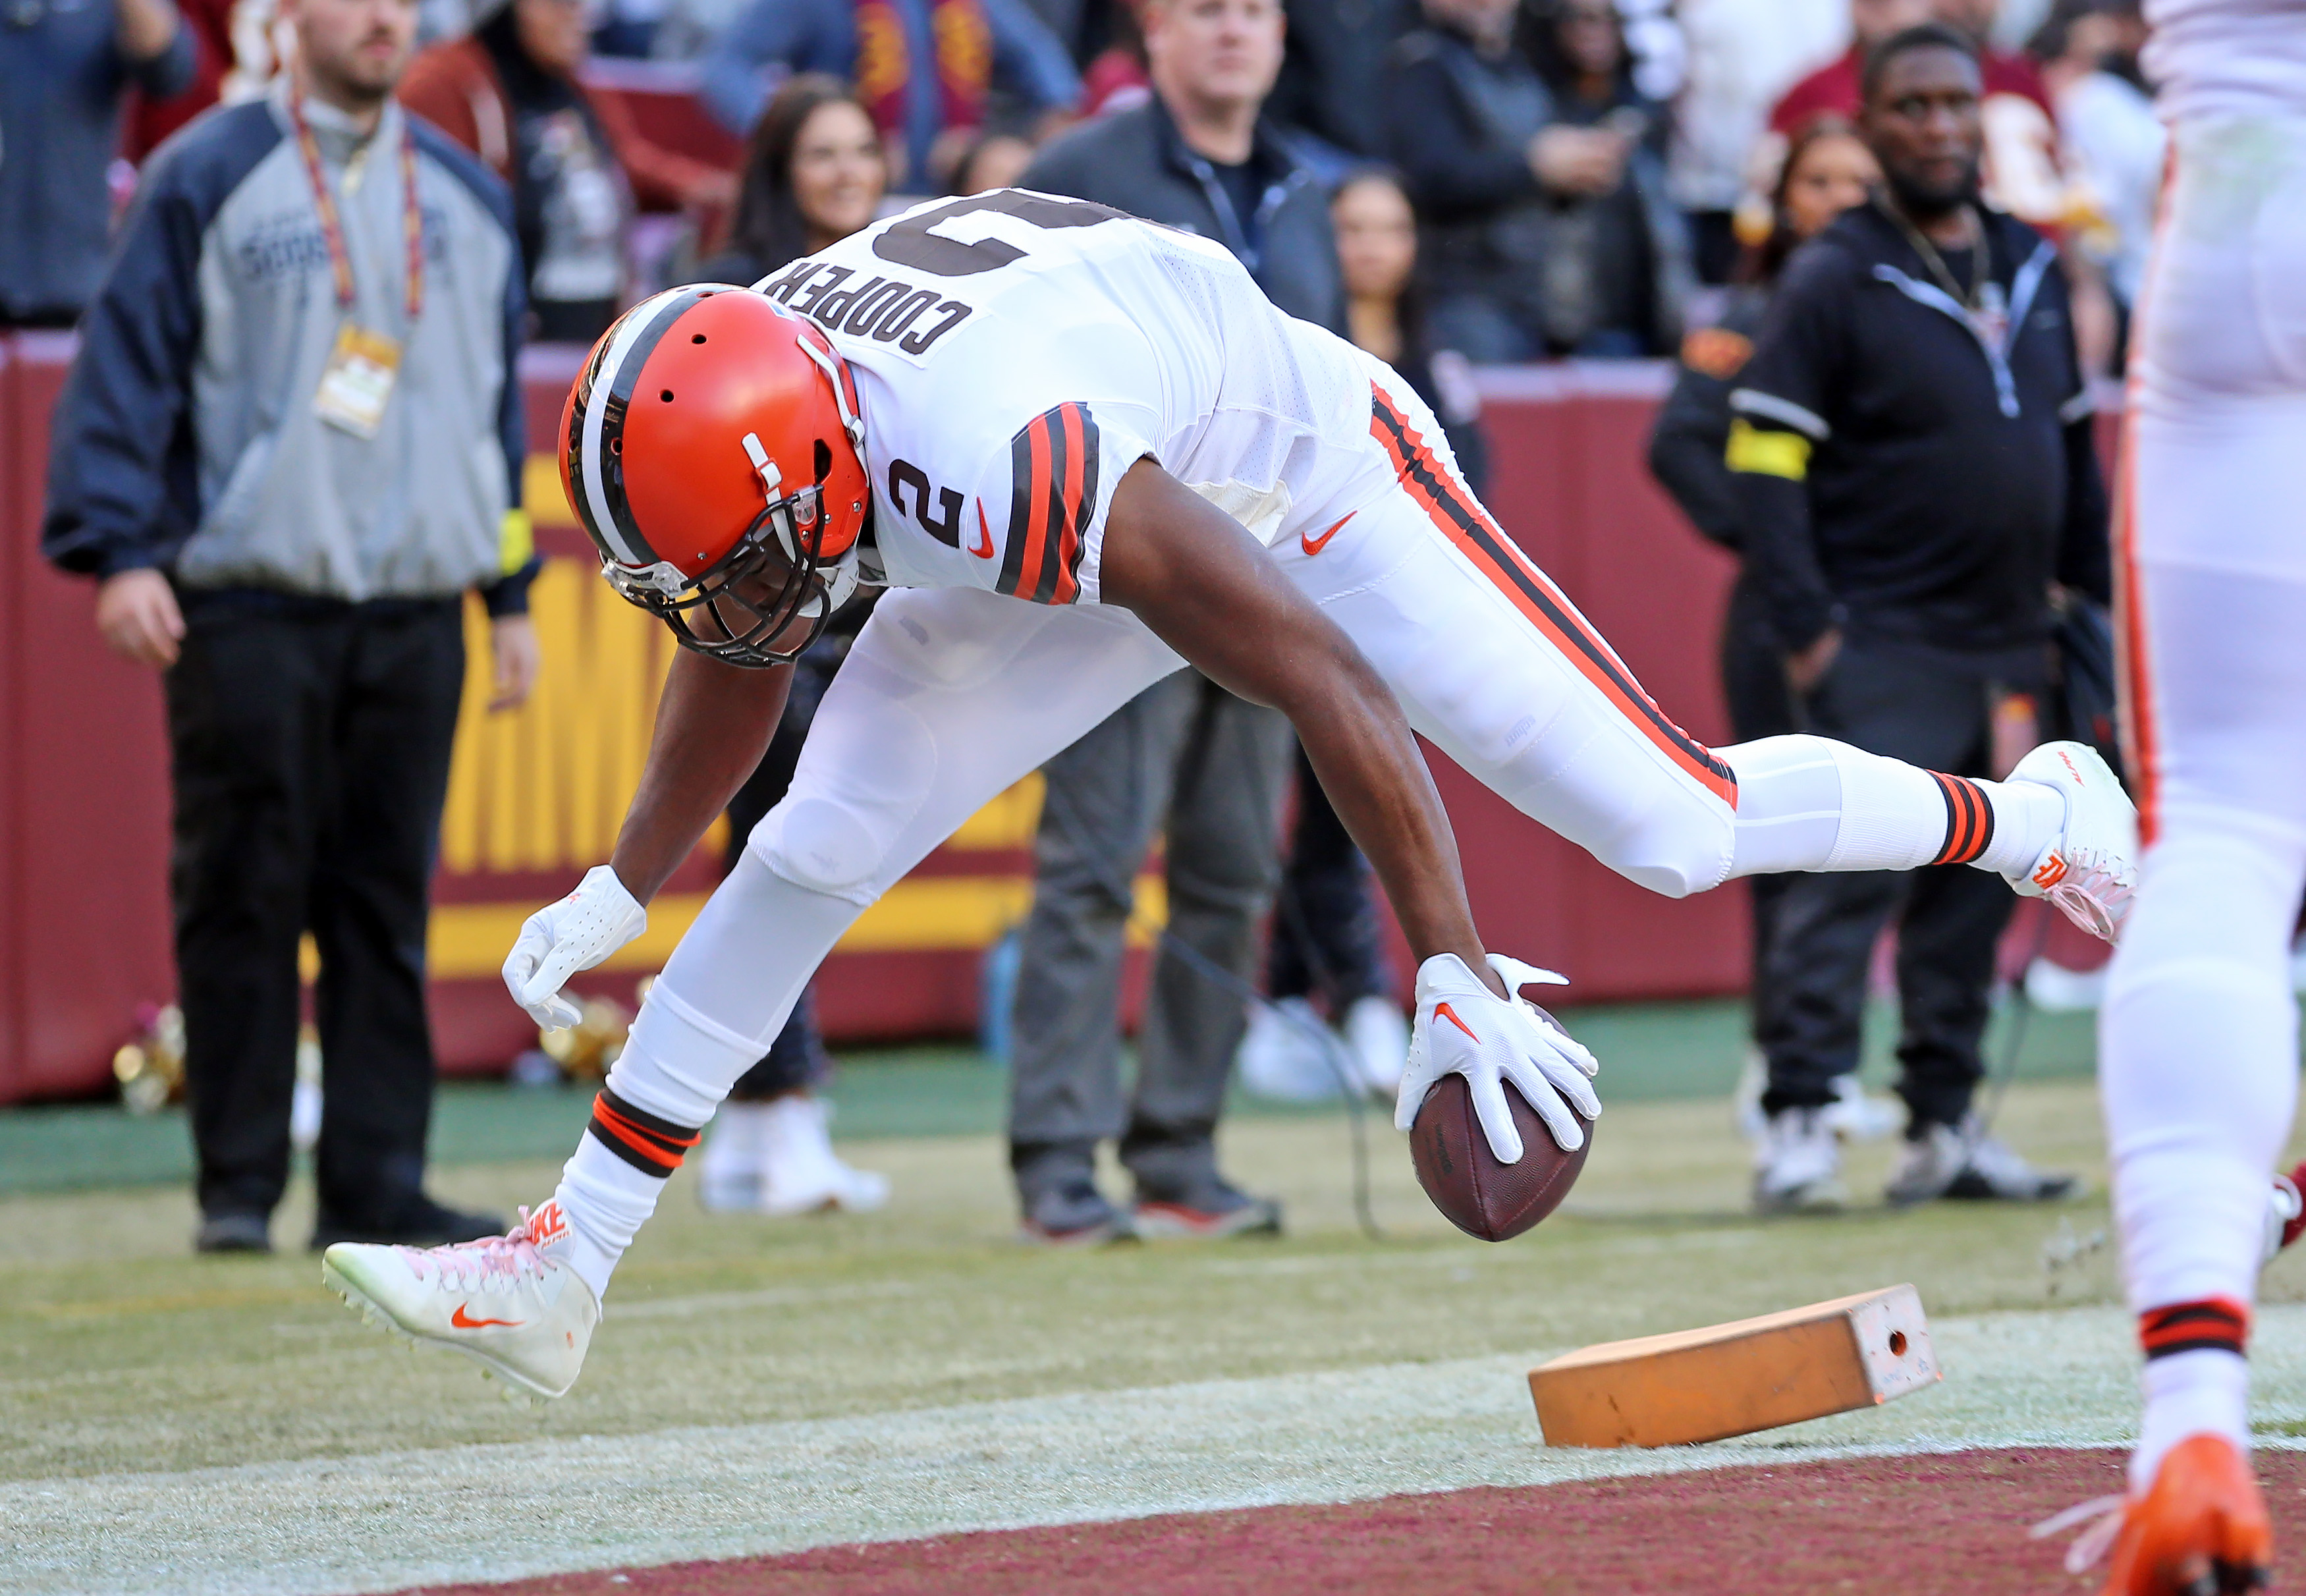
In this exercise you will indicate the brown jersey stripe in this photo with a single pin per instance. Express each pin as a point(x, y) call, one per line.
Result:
point(1052, 463)
point(2213, 1324)
point(1462, 519)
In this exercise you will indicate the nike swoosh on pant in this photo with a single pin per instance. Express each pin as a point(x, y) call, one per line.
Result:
point(984, 550)
point(1315, 545)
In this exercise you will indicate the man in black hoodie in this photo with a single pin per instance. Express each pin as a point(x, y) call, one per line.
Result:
point(1911, 451)
point(1185, 756)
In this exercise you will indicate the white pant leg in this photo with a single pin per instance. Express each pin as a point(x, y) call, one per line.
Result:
point(2197, 1041)
point(1497, 666)
point(948, 696)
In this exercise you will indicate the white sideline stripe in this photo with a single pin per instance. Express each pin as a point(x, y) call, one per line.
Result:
point(390, 1520)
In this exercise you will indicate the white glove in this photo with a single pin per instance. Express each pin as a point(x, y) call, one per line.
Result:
point(1465, 1029)
point(578, 933)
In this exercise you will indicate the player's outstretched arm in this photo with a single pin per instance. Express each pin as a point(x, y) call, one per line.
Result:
point(1209, 590)
point(713, 725)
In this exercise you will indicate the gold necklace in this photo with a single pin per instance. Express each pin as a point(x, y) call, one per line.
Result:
point(1981, 266)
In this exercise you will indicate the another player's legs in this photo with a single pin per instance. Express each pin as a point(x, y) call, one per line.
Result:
point(1495, 665)
point(948, 697)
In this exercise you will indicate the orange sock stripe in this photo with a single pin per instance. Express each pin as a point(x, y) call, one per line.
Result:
point(2141, 742)
point(1461, 519)
point(651, 1145)
point(1969, 820)
point(2213, 1324)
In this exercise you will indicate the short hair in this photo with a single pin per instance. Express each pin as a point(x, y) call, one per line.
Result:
point(1923, 36)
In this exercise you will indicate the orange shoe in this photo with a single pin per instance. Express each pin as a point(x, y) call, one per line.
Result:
point(2200, 1529)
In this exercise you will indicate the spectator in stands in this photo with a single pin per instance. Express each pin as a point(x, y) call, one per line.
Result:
point(1196, 155)
point(1539, 235)
point(66, 71)
point(152, 118)
point(1617, 264)
point(1114, 79)
point(925, 70)
point(1831, 91)
point(508, 92)
point(1827, 170)
point(996, 160)
point(813, 173)
point(1326, 940)
point(1913, 469)
point(2114, 144)
point(1743, 55)
point(287, 449)
point(1333, 78)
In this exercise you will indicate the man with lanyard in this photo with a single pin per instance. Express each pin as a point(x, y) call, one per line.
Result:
point(1911, 450)
point(1185, 756)
point(290, 443)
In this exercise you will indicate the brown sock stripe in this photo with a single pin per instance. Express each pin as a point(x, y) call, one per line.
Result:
point(2214, 1324)
point(649, 1144)
point(1969, 820)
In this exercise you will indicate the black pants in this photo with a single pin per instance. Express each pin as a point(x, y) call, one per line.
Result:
point(1325, 928)
point(310, 747)
point(1760, 704)
point(1931, 712)
point(797, 1058)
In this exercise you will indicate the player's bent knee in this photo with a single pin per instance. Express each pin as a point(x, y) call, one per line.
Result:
point(821, 846)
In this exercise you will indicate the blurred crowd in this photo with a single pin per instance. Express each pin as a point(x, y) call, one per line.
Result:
point(1448, 182)
point(1588, 176)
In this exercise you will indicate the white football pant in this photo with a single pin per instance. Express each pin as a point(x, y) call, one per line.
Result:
point(2198, 1038)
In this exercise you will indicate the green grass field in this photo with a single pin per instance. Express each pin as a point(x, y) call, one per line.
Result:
point(123, 1355)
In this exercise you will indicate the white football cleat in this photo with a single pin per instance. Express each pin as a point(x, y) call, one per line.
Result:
point(800, 1173)
point(510, 1303)
point(1798, 1166)
point(2091, 869)
point(1376, 1036)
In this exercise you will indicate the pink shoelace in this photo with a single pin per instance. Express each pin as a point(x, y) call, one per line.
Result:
point(475, 1263)
point(2100, 1519)
point(2092, 897)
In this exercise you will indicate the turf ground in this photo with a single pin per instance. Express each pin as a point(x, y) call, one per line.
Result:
point(761, 1387)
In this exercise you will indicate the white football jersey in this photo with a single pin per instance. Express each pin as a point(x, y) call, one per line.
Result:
point(1016, 352)
point(2219, 57)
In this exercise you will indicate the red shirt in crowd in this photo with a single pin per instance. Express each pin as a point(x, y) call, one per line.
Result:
point(1833, 89)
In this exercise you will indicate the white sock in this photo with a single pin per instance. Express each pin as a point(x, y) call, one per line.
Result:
point(2189, 1394)
point(607, 1201)
point(2028, 817)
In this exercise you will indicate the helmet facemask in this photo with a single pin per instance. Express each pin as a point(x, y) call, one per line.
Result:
point(744, 609)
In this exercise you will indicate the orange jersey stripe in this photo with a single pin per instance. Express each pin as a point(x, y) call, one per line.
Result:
point(1037, 499)
point(1069, 509)
point(1461, 519)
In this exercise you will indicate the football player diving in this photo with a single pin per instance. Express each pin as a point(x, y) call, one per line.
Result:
point(1083, 452)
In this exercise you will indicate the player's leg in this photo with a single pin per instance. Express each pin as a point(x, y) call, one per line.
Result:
point(1494, 664)
point(947, 698)
point(2197, 1059)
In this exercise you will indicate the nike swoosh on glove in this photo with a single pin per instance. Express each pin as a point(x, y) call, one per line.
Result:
point(559, 940)
point(1465, 1029)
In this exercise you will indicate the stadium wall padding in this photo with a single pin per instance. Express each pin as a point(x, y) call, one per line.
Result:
point(535, 795)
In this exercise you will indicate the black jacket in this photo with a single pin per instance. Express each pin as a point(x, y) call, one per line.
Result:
point(1461, 127)
point(1903, 472)
point(1136, 161)
point(1692, 428)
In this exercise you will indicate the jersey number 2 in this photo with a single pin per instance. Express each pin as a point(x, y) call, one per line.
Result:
point(911, 244)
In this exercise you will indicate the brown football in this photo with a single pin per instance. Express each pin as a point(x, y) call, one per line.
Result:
point(1483, 1197)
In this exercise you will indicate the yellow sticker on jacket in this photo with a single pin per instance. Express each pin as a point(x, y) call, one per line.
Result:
point(356, 384)
point(1767, 453)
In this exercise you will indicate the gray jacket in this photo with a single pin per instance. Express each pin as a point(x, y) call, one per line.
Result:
point(186, 437)
point(1136, 161)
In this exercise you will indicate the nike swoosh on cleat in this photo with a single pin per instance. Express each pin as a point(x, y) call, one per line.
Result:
point(1315, 545)
point(984, 550)
point(459, 1320)
point(1444, 1012)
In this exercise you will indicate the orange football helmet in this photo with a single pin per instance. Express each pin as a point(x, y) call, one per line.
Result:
point(711, 448)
